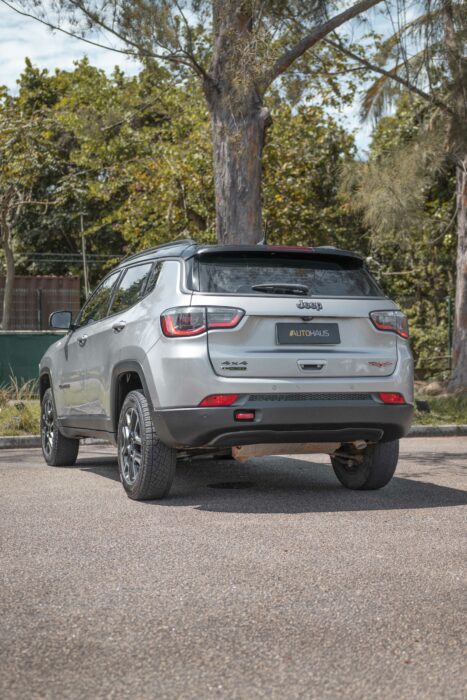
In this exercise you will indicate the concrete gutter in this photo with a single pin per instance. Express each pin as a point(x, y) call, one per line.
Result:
point(15, 442)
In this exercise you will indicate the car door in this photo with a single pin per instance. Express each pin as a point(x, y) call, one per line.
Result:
point(106, 338)
point(69, 379)
point(80, 407)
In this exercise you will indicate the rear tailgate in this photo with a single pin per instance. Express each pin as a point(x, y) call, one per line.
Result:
point(339, 340)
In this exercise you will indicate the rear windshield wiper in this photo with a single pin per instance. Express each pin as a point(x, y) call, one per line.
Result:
point(281, 288)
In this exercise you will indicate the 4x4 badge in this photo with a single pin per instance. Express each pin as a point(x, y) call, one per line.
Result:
point(316, 305)
point(235, 366)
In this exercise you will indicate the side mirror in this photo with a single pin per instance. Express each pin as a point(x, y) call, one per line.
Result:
point(60, 320)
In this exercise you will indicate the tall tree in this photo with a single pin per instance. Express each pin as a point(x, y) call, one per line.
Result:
point(425, 57)
point(24, 156)
point(253, 43)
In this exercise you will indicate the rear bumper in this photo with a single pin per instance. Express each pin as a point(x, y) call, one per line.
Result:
point(314, 422)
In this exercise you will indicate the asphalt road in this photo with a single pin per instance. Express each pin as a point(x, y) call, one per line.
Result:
point(289, 587)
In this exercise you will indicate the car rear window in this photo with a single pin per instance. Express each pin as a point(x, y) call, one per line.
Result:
point(322, 276)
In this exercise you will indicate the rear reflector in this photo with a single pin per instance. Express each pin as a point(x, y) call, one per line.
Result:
point(244, 415)
point(219, 400)
point(387, 397)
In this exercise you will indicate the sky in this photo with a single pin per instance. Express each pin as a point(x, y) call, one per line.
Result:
point(22, 37)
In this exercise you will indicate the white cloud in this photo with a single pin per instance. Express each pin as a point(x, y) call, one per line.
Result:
point(22, 37)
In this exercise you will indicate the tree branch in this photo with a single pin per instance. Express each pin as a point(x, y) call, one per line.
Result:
point(135, 54)
point(391, 75)
point(313, 37)
point(171, 57)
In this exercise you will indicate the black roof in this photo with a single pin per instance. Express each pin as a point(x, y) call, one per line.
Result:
point(187, 248)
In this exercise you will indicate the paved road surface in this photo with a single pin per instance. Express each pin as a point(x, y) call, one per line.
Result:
point(290, 587)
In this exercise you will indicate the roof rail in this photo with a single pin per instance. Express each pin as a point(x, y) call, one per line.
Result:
point(169, 244)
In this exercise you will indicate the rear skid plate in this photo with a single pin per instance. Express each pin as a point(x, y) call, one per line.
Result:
point(247, 451)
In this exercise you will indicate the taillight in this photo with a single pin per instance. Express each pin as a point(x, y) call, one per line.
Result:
point(223, 317)
point(391, 397)
point(185, 321)
point(393, 321)
point(219, 400)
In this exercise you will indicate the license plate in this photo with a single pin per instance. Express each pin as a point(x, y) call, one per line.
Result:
point(308, 333)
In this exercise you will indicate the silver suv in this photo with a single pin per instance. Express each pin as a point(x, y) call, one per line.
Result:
point(253, 350)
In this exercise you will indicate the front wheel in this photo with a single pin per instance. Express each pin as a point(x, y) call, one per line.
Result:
point(371, 469)
point(146, 465)
point(58, 450)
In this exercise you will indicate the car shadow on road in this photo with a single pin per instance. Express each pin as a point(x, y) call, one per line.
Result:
point(288, 485)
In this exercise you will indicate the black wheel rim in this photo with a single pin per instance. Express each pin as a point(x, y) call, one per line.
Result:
point(130, 446)
point(47, 426)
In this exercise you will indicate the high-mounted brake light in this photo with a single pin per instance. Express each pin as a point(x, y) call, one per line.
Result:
point(219, 400)
point(393, 321)
point(391, 397)
point(184, 321)
point(289, 247)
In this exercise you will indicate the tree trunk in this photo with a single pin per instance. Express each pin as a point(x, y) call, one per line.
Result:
point(458, 380)
point(10, 276)
point(237, 150)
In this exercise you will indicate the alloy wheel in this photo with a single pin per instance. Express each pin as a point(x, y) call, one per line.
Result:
point(47, 426)
point(131, 446)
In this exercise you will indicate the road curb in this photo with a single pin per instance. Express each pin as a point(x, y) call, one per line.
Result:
point(15, 442)
point(437, 430)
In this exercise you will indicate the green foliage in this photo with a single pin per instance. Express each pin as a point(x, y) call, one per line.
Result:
point(135, 155)
point(304, 152)
point(406, 194)
point(444, 410)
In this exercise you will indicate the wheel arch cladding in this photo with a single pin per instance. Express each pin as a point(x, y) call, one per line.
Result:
point(126, 377)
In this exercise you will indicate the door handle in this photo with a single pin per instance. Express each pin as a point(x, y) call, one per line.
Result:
point(119, 326)
point(311, 366)
point(82, 340)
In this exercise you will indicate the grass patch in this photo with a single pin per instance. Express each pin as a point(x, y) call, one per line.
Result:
point(18, 391)
point(19, 408)
point(19, 418)
point(444, 410)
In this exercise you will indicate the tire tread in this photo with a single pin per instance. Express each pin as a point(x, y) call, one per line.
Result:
point(64, 450)
point(159, 460)
point(376, 470)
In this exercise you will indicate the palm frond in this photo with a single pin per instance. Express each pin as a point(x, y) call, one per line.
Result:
point(412, 29)
point(383, 90)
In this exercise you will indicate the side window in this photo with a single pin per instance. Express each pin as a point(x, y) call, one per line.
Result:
point(95, 309)
point(130, 289)
point(153, 277)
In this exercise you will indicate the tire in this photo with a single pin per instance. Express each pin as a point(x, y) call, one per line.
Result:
point(375, 471)
point(146, 466)
point(58, 450)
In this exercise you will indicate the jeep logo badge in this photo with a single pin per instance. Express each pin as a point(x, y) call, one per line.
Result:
point(315, 305)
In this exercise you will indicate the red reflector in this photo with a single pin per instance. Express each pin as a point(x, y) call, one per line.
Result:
point(391, 397)
point(219, 400)
point(244, 415)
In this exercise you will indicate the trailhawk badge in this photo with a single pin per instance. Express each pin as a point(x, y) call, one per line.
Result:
point(315, 305)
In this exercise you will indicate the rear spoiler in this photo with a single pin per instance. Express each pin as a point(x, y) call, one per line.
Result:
point(324, 253)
